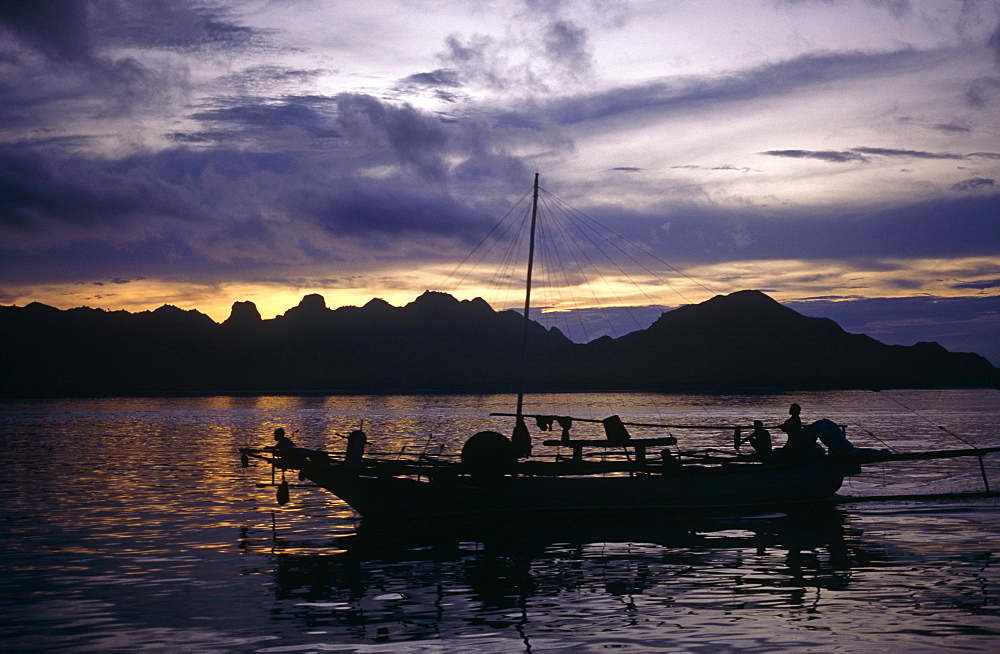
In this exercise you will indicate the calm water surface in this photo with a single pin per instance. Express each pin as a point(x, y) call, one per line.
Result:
point(129, 524)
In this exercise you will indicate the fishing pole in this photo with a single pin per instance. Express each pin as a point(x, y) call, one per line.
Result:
point(863, 428)
point(982, 466)
point(928, 420)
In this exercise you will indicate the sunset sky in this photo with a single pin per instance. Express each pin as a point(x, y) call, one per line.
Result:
point(842, 156)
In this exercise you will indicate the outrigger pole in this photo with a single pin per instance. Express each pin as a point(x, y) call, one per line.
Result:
point(527, 303)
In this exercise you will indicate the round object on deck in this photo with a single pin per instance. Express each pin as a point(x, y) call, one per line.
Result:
point(488, 448)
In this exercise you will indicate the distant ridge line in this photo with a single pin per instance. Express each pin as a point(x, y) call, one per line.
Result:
point(437, 343)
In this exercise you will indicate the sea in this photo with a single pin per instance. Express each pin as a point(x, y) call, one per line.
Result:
point(129, 524)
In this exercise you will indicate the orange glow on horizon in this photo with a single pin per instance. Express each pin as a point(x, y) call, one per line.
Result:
point(784, 280)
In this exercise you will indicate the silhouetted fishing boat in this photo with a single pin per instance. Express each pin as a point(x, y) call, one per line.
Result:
point(499, 476)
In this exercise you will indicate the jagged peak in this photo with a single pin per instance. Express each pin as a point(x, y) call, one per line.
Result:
point(479, 304)
point(749, 298)
point(310, 305)
point(435, 297)
point(312, 302)
point(243, 313)
point(171, 310)
point(378, 303)
point(749, 303)
point(38, 307)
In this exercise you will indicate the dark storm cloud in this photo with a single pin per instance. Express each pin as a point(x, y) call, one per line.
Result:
point(782, 78)
point(439, 77)
point(566, 43)
point(908, 154)
point(982, 286)
point(983, 93)
point(72, 29)
point(160, 213)
point(951, 127)
point(558, 51)
point(380, 211)
point(37, 192)
point(955, 227)
point(157, 257)
point(864, 154)
point(245, 116)
point(973, 184)
point(57, 28)
point(822, 155)
point(211, 210)
point(942, 228)
point(57, 58)
point(993, 42)
point(266, 79)
point(177, 25)
point(360, 131)
point(37, 93)
point(415, 138)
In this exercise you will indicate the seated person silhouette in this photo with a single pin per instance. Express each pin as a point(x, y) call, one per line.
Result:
point(281, 441)
point(760, 438)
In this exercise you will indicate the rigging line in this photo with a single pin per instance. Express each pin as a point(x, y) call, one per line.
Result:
point(583, 271)
point(598, 272)
point(553, 289)
point(495, 245)
point(558, 282)
point(501, 270)
point(638, 287)
point(929, 421)
point(641, 249)
point(504, 275)
point(608, 230)
point(558, 286)
point(487, 236)
point(560, 289)
point(573, 249)
point(550, 294)
point(586, 230)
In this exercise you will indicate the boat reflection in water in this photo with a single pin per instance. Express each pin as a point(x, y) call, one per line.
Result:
point(560, 580)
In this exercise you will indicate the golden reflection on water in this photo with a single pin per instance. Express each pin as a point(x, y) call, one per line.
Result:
point(127, 521)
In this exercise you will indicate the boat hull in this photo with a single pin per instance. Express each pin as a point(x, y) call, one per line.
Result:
point(735, 488)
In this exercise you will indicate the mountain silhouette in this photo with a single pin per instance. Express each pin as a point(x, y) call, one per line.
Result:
point(745, 340)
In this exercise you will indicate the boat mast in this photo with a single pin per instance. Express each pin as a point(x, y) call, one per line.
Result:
point(527, 301)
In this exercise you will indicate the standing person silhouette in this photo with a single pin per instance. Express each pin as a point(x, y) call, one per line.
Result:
point(793, 425)
point(801, 441)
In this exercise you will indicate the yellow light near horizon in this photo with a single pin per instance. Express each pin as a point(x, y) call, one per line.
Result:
point(790, 279)
point(784, 280)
